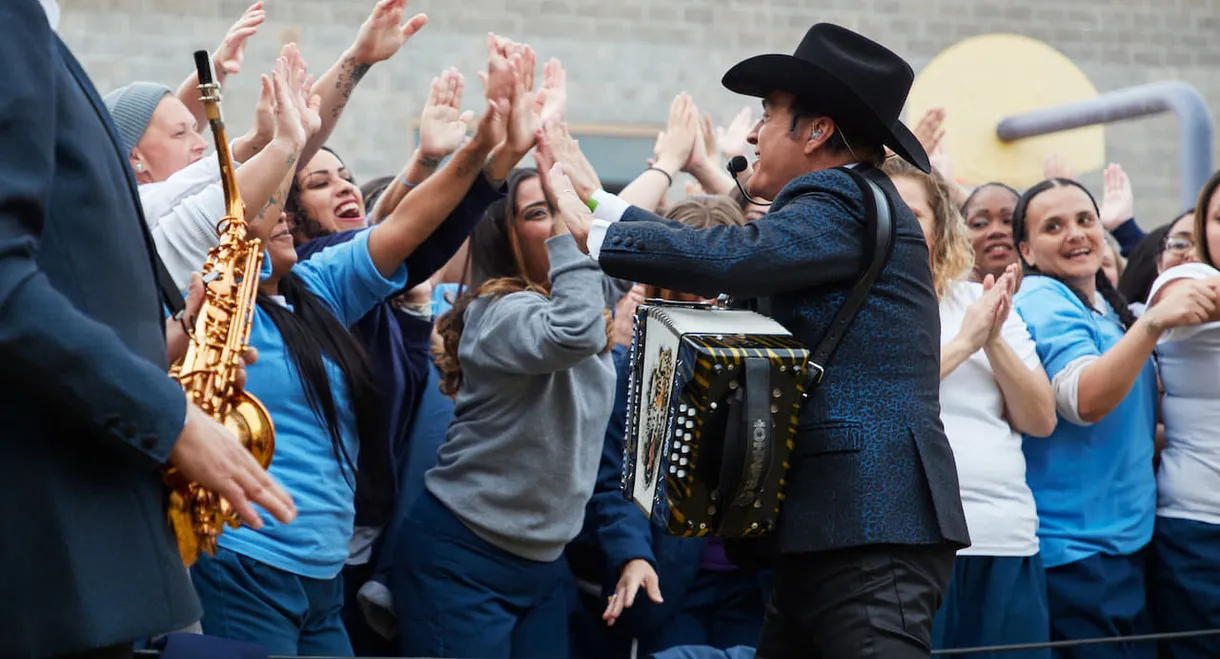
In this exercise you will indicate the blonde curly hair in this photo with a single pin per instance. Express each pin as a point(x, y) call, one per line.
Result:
point(952, 255)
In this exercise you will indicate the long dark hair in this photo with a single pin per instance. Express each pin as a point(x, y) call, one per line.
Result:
point(304, 227)
point(495, 267)
point(311, 334)
point(1143, 263)
point(1205, 200)
point(1020, 234)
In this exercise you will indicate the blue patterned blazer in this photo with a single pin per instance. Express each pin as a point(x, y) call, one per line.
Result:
point(872, 464)
point(87, 412)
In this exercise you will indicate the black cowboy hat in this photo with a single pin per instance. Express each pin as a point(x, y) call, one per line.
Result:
point(857, 82)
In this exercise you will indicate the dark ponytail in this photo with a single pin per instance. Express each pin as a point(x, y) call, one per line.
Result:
point(311, 333)
point(1020, 234)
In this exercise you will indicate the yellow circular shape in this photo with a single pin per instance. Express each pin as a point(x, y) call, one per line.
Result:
point(984, 79)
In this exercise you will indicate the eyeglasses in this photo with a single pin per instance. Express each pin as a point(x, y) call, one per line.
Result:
point(1179, 245)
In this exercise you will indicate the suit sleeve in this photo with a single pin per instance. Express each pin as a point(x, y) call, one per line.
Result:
point(815, 239)
point(63, 360)
point(622, 528)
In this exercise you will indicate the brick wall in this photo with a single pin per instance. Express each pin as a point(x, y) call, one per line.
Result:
point(627, 58)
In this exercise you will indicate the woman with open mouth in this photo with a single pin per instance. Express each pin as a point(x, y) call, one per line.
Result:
point(1092, 479)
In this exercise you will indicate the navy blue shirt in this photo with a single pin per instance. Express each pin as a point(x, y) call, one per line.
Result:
point(390, 345)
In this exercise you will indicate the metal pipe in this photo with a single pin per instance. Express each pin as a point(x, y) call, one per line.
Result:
point(1194, 123)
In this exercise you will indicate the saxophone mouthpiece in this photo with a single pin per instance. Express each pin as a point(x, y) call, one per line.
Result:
point(203, 64)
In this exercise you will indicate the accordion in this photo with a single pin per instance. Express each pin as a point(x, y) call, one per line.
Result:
point(711, 418)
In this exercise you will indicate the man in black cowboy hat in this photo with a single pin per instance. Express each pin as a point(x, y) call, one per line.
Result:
point(872, 517)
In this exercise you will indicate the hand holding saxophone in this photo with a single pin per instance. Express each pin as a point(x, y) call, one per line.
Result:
point(209, 454)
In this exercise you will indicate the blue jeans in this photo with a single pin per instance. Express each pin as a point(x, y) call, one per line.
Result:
point(246, 600)
point(995, 600)
point(457, 595)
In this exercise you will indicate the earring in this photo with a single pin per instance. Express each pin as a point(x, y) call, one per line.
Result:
point(816, 135)
point(139, 167)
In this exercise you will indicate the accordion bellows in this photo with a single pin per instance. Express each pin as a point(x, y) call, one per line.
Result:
point(711, 418)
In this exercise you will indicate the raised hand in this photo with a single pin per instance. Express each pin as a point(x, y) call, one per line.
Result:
point(384, 34)
point(500, 79)
point(552, 100)
point(442, 124)
point(524, 121)
point(1054, 165)
point(263, 130)
point(930, 129)
point(572, 215)
point(228, 56)
point(562, 149)
point(296, 113)
point(1117, 201)
point(674, 150)
point(732, 140)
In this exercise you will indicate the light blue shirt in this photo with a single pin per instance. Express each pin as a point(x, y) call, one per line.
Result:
point(315, 544)
point(1094, 485)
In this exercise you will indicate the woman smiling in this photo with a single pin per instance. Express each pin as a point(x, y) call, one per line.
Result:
point(1092, 478)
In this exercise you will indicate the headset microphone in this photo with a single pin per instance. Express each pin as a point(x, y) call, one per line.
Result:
point(736, 166)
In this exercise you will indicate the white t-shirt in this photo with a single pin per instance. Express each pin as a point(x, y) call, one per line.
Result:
point(1000, 510)
point(1188, 483)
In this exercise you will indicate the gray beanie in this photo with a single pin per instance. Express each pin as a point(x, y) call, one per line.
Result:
point(132, 107)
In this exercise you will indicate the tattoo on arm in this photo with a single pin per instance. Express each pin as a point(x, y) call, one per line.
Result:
point(464, 163)
point(350, 75)
point(278, 197)
point(430, 163)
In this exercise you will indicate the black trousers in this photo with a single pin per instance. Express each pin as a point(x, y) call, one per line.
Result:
point(858, 603)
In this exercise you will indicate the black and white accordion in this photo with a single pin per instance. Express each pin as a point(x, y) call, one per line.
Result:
point(711, 418)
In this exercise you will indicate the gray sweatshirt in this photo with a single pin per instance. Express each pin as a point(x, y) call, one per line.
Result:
point(521, 455)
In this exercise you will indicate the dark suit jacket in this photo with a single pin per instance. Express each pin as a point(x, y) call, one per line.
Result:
point(87, 413)
point(872, 464)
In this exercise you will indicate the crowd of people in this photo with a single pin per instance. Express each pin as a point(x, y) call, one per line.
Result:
point(1015, 443)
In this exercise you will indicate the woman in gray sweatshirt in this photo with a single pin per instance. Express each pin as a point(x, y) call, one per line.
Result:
point(480, 572)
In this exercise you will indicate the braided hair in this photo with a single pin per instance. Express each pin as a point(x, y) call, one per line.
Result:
point(1020, 233)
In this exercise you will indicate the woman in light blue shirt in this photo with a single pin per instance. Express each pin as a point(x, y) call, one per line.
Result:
point(279, 586)
point(1092, 478)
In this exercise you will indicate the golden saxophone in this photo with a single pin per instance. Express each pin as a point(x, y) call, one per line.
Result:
point(213, 359)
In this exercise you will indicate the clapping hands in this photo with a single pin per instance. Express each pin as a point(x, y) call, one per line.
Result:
point(984, 321)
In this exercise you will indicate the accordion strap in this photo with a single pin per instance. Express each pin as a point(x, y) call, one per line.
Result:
point(878, 222)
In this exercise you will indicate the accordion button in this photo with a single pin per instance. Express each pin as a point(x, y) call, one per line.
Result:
point(682, 408)
point(686, 448)
point(681, 461)
point(690, 424)
point(681, 473)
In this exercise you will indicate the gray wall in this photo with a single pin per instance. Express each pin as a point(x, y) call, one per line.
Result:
point(627, 58)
